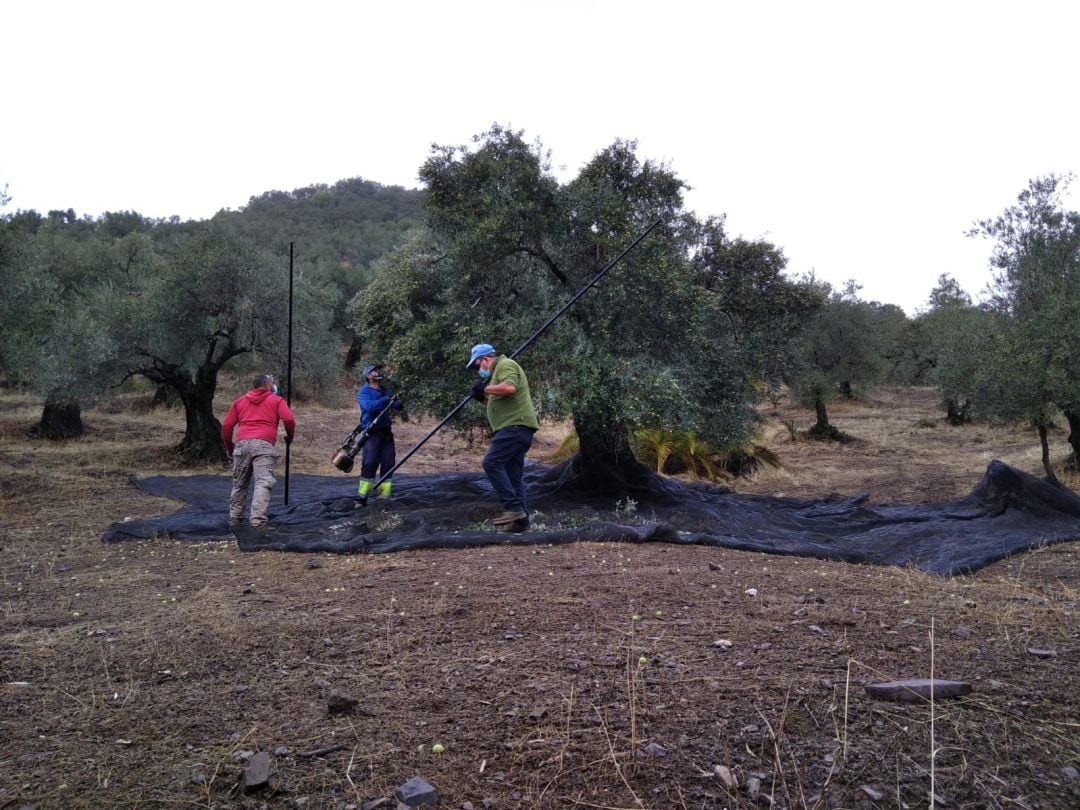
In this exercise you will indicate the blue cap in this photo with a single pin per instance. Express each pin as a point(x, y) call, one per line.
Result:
point(372, 368)
point(478, 351)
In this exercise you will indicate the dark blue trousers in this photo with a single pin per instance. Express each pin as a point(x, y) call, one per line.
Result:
point(378, 455)
point(504, 464)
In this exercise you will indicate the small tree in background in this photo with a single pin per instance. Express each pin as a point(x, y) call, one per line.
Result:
point(843, 353)
point(953, 334)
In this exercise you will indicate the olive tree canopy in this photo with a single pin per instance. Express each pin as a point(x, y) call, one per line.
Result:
point(1031, 370)
point(507, 245)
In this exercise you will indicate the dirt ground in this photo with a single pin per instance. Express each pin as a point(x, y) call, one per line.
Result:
point(594, 675)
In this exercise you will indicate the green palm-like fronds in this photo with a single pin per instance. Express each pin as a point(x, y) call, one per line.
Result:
point(675, 452)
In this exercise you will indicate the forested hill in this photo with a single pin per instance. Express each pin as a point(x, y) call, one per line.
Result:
point(349, 224)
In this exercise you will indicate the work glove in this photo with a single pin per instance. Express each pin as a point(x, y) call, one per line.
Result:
point(288, 439)
point(478, 390)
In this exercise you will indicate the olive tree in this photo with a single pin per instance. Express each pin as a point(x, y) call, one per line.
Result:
point(1034, 372)
point(950, 337)
point(209, 298)
point(763, 312)
point(53, 342)
point(507, 245)
point(844, 350)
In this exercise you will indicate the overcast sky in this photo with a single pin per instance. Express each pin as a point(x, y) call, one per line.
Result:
point(863, 138)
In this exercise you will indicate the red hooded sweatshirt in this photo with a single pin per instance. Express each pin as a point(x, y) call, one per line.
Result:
point(257, 412)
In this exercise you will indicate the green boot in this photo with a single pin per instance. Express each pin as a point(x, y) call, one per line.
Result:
point(364, 489)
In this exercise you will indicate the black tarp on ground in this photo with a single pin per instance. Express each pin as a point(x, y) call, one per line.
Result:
point(1008, 512)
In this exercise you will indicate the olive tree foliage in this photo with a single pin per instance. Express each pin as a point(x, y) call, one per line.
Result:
point(208, 298)
point(845, 350)
point(338, 232)
point(53, 343)
point(944, 347)
point(1032, 369)
point(762, 311)
point(23, 302)
point(507, 245)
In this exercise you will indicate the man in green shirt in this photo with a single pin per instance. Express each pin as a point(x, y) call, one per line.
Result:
point(505, 388)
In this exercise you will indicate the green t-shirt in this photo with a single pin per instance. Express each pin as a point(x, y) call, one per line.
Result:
point(516, 409)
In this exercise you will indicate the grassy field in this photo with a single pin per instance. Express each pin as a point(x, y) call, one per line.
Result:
point(592, 675)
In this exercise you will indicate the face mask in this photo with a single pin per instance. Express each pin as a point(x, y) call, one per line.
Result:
point(485, 374)
point(275, 388)
point(379, 378)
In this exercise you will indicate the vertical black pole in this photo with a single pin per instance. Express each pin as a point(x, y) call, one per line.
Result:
point(288, 372)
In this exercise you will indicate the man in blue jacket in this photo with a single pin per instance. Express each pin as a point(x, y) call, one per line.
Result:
point(378, 453)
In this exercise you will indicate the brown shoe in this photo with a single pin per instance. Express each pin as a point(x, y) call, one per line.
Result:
point(509, 517)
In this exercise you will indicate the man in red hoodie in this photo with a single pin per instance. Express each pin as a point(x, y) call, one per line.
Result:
point(257, 413)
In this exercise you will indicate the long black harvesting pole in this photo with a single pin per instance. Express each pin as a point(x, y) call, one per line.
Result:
point(288, 372)
point(521, 348)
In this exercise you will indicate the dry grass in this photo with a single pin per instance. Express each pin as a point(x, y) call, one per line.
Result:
point(136, 674)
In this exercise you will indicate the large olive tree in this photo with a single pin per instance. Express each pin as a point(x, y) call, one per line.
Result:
point(507, 244)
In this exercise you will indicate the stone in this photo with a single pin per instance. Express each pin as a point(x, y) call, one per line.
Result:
point(1069, 772)
point(725, 777)
point(918, 689)
point(1038, 653)
point(417, 792)
point(257, 772)
point(753, 787)
point(653, 750)
point(282, 751)
point(875, 795)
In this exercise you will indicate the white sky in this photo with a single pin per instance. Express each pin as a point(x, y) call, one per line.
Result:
point(861, 137)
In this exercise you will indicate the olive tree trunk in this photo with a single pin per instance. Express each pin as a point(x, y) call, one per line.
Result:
point(61, 418)
point(1045, 444)
point(1073, 415)
point(352, 357)
point(605, 464)
point(202, 434)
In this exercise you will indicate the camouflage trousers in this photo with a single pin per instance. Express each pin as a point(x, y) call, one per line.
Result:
point(252, 459)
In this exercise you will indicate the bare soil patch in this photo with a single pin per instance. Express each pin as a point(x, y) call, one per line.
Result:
point(588, 675)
